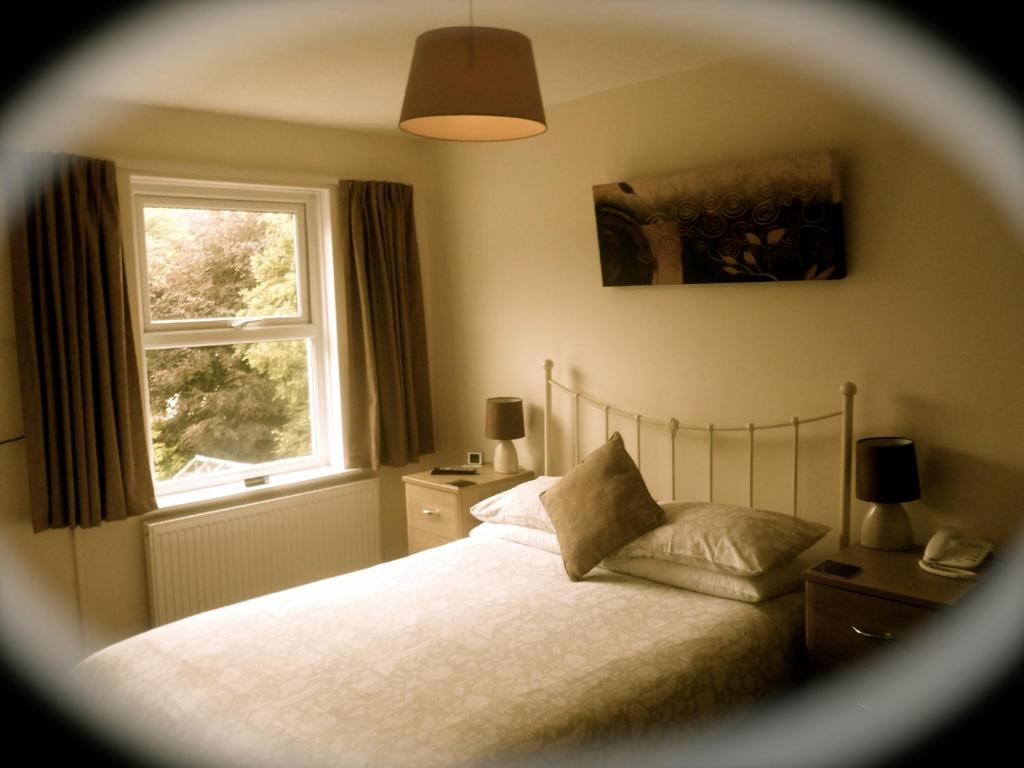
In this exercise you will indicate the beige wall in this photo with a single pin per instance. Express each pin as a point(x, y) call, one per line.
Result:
point(928, 323)
point(110, 560)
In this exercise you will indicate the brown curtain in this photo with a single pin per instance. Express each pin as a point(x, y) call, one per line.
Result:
point(386, 409)
point(85, 433)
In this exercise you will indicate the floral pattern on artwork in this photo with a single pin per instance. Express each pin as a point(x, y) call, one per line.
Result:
point(756, 222)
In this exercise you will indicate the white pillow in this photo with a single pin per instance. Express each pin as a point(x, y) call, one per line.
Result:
point(530, 537)
point(518, 506)
point(787, 577)
point(725, 537)
point(751, 589)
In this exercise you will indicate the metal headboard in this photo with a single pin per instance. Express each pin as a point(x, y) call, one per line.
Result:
point(673, 426)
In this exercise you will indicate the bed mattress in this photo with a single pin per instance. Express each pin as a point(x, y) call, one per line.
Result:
point(481, 649)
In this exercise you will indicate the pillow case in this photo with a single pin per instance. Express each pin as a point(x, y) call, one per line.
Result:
point(599, 506)
point(529, 537)
point(784, 578)
point(725, 537)
point(520, 505)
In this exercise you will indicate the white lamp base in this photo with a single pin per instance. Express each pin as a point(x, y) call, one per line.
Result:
point(506, 462)
point(887, 526)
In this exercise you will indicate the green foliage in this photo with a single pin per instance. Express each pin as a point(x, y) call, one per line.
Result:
point(243, 402)
point(286, 364)
point(273, 271)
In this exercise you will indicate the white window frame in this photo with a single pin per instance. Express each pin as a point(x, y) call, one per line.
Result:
point(314, 323)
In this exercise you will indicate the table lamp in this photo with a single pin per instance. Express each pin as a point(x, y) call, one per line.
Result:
point(505, 424)
point(887, 475)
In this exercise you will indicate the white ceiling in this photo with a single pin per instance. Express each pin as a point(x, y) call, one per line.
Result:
point(344, 63)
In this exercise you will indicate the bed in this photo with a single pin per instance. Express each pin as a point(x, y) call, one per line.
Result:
point(478, 650)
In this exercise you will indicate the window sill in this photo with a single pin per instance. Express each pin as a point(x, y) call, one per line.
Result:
point(235, 493)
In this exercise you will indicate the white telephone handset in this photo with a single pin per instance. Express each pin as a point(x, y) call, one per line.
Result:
point(947, 554)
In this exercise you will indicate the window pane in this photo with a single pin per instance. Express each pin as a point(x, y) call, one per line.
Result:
point(215, 409)
point(206, 263)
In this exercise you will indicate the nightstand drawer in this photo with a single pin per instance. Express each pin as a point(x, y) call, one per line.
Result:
point(843, 625)
point(420, 540)
point(437, 512)
point(431, 511)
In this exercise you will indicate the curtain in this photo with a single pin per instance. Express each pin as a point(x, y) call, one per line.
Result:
point(85, 433)
point(386, 409)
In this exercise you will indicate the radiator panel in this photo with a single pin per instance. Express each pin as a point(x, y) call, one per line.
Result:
point(204, 561)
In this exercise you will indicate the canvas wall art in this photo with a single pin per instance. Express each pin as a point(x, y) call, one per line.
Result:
point(763, 221)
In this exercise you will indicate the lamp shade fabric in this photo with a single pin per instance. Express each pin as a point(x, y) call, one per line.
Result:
point(473, 84)
point(504, 418)
point(887, 470)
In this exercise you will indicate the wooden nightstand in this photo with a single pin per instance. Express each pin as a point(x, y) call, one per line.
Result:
point(848, 618)
point(437, 513)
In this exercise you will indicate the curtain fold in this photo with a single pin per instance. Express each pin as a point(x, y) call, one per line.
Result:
point(85, 427)
point(386, 409)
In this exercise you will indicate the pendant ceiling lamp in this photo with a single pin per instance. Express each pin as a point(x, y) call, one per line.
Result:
point(473, 84)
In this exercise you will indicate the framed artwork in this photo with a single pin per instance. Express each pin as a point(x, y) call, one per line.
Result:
point(763, 221)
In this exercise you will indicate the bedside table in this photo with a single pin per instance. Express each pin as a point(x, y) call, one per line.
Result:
point(437, 513)
point(848, 618)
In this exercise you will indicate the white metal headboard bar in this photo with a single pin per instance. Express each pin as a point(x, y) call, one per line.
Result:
point(673, 427)
point(848, 390)
point(796, 459)
point(711, 462)
point(679, 425)
point(575, 428)
point(750, 453)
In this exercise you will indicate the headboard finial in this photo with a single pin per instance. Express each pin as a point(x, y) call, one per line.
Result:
point(848, 389)
point(548, 365)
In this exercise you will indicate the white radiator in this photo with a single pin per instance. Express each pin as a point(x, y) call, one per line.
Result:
point(204, 561)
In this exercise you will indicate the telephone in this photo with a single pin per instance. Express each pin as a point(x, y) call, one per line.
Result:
point(947, 554)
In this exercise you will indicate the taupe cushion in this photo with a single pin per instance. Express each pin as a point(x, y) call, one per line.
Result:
point(600, 505)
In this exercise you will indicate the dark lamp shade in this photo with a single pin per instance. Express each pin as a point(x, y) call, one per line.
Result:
point(887, 470)
point(473, 84)
point(505, 418)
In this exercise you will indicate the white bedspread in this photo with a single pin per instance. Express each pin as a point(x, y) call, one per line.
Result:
point(479, 649)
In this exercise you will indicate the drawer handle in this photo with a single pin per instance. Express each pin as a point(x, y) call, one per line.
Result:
point(873, 635)
point(430, 512)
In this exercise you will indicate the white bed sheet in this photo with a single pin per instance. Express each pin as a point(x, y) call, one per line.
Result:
point(480, 649)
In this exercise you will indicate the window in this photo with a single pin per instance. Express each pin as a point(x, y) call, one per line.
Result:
point(237, 344)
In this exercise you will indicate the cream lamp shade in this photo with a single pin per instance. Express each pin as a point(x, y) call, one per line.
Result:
point(473, 84)
point(505, 424)
point(887, 475)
